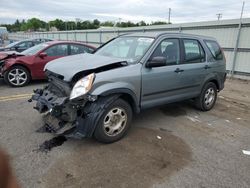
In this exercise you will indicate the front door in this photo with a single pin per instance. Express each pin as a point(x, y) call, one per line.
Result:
point(161, 84)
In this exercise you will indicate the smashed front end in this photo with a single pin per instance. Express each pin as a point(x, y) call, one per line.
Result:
point(2, 62)
point(62, 114)
point(4, 57)
point(67, 103)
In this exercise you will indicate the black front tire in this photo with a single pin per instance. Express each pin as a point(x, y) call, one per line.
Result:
point(207, 98)
point(101, 133)
point(24, 76)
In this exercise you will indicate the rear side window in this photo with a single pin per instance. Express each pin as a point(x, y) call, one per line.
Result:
point(214, 48)
point(57, 50)
point(193, 52)
point(77, 49)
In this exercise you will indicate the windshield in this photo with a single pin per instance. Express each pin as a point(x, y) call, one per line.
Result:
point(129, 48)
point(33, 50)
point(11, 44)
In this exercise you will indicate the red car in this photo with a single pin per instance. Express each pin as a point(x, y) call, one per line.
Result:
point(18, 69)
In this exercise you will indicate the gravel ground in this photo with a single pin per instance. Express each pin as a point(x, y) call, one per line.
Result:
point(170, 146)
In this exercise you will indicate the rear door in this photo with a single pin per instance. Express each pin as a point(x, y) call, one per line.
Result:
point(53, 52)
point(193, 66)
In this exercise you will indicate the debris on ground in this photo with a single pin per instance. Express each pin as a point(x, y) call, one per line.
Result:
point(246, 152)
point(159, 137)
point(193, 119)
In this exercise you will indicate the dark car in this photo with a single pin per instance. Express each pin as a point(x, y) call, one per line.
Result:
point(22, 45)
point(19, 68)
point(97, 94)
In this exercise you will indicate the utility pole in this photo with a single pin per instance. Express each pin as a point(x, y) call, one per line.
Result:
point(169, 15)
point(237, 41)
point(219, 16)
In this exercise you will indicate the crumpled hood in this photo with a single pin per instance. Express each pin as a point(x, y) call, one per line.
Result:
point(9, 54)
point(71, 65)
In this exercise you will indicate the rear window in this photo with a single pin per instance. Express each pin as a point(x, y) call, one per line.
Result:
point(214, 48)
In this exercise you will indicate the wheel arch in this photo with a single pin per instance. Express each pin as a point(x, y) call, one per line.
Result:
point(214, 79)
point(21, 65)
point(125, 94)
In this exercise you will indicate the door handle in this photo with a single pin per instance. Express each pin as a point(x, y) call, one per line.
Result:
point(178, 70)
point(207, 67)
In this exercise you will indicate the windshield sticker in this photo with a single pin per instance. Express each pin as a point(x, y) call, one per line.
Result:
point(145, 40)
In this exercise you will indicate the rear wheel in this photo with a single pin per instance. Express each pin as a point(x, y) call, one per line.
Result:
point(114, 122)
point(207, 98)
point(17, 76)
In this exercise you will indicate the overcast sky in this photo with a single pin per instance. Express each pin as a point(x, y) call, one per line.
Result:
point(127, 10)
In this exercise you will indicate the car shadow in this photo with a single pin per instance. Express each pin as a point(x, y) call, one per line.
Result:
point(141, 159)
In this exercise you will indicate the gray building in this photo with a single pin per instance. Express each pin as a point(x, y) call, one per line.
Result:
point(233, 36)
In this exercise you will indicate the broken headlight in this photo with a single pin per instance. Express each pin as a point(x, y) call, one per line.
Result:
point(82, 86)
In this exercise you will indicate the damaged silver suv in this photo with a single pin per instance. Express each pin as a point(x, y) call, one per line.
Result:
point(96, 95)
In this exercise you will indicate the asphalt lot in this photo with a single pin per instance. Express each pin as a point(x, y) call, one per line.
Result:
point(195, 149)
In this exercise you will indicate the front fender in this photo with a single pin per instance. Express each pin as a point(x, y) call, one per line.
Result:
point(107, 87)
point(117, 88)
point(11, 62)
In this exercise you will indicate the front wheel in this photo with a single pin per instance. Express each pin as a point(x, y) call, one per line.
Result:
point(17, 76)
point(114, 122)
point(207, 98)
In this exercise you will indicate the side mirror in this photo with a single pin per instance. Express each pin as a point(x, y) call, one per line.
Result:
point(42, 55)
point(158, 61)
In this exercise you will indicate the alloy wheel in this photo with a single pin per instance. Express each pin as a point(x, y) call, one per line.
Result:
point(17, 77)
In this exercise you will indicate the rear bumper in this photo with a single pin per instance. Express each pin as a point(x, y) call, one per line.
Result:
point(223, 82)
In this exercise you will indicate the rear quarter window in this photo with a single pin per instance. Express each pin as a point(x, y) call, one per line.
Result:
point(215, 49)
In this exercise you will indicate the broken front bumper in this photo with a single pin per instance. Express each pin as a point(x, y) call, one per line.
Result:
point(1, 67)
point(60, 115)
